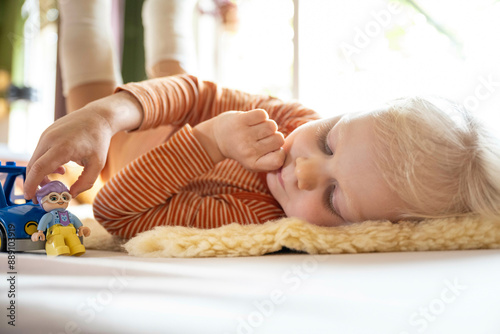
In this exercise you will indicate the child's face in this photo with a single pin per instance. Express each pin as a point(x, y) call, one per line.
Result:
point(329, 176)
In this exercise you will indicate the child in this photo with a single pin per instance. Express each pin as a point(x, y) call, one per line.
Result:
point(411, 158)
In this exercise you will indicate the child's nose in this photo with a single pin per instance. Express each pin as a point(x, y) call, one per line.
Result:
point(308, 173)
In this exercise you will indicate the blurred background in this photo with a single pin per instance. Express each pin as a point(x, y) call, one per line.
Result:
point(333, 56)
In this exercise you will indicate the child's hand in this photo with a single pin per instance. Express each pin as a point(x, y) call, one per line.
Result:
point(250, 138)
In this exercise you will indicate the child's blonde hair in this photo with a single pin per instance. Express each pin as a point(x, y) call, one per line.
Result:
point(439, 159)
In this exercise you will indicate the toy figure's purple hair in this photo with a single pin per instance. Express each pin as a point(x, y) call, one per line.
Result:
point(52, 186)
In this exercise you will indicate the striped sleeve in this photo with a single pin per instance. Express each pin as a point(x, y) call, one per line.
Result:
point(153, 190)
point(178, 100)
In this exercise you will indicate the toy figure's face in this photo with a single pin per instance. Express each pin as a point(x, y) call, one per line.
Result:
point(330, 177)
point(55, 201)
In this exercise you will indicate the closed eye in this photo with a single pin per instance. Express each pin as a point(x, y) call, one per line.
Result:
point(322, 136)
point(328, 199)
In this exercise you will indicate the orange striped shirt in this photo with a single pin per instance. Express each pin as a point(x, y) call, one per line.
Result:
point(176, 183)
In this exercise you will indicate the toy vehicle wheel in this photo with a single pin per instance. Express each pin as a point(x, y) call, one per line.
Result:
point(3, 240)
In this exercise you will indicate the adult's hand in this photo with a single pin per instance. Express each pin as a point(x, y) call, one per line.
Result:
point(83, 137)
point(76, 137)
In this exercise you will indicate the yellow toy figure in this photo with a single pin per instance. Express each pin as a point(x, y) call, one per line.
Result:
point(63, 228)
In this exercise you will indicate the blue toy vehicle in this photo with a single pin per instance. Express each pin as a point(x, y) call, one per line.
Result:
point(18, 218)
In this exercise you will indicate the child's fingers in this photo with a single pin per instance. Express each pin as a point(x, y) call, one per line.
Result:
point(270, 143)
point(255, 116)
point(265, 129)
point(271, 161)
point(266, 154)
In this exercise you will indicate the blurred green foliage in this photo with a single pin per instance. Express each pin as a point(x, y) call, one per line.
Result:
point(11, 38)
point(133, 43)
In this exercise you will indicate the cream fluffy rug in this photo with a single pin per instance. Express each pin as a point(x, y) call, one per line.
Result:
point(295, 234)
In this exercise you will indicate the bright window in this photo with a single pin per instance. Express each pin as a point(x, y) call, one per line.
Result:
point(259, 57)
point(353, 55)
point(357, 54)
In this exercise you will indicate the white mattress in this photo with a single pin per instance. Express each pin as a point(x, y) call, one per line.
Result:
point(111, 292)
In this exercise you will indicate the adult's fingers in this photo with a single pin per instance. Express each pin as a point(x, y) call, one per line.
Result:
point(38, 169)
point(87, 178)
point(60, 170)
point(44, 182)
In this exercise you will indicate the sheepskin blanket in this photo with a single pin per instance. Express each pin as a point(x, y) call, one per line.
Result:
point(290, 233)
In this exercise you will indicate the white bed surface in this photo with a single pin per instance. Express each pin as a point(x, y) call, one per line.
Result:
point(111, 292)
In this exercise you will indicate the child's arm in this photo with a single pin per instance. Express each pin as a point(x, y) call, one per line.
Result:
point(179, 100)
point(171, 185)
